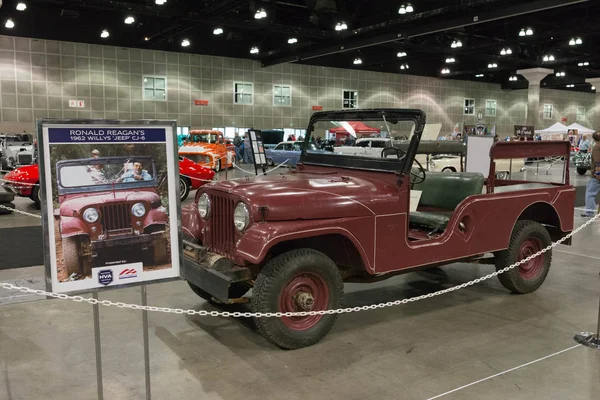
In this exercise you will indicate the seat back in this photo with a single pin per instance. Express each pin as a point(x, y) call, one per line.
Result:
point(446, 190)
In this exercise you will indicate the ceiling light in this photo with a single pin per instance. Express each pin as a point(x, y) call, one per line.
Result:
point(146, 38)
point(260, 14)
point(292, 40)
point(578, 41)
point(529, 32)
point(450, 60)
point(357, 61)
point(129, 20)
point(404, 66)
point(505, 52)
point(402, 9)
point(572, 42)
point(21, 6)
point(185, 43)
point(570, 86)
point(161, 2)
point(401, 54)
point(445, 71)
point(593, 87)
point(548, 57)
point(254, 50)
point(522, 32)
point(341, 26)
point(513, 78)
point(104, 34)
point(218, 31)
point(560, 74)
point(409, 8)
point(583, 64)
point(479, 76)
point(9, 24)
point(492, 65)
point(456, 43)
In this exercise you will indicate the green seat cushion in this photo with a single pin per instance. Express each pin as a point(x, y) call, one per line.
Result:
point(433, 220)
point(446, 190)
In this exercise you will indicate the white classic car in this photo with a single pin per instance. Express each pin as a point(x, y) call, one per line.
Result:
point(15, 154)
point(368, 147)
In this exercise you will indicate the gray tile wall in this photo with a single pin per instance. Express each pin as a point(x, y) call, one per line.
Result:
point(39, 77)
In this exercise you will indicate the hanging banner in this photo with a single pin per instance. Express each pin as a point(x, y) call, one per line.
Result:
point(525, 131)
point(110, 203)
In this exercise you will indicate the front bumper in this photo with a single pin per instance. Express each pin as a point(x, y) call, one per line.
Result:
point(144, 239)
point(211, 272)
point(17, 189)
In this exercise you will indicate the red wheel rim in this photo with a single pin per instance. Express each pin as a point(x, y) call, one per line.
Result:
point(305, 292)
point(532, 268)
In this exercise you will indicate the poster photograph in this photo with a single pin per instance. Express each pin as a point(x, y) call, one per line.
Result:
point(111, 204)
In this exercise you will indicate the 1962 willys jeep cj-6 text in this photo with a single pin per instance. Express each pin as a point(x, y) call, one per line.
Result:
point(296, 237)
point(106, 205)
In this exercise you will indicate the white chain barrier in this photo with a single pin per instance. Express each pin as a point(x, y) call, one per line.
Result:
point(203, 313)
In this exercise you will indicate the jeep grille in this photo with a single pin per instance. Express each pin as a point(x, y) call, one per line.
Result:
point(220, 237)
point(115, 217)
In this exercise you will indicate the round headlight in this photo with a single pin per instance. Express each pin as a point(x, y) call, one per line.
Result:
point(91, 215)
point(204, 206)
point(241, 217)
point(138, 210)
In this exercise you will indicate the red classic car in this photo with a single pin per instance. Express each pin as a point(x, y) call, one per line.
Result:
point(296, 237)
point(24, 181)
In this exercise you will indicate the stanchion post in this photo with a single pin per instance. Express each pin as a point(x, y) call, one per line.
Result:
point(146, 343)
point(590, 339)
point(96, 311)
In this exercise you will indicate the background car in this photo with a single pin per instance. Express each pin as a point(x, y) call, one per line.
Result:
point(192, 176)
point(370, 147)
point(209, 149)
point(288, 152)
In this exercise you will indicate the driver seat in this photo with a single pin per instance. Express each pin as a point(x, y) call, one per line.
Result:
point(444, 191)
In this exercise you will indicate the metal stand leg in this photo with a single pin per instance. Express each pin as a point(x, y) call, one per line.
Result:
point(146, 344)
point(590, 339)
point(98, 347)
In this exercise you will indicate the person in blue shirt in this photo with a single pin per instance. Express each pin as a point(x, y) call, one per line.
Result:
point(136, 174)
point(585, 145)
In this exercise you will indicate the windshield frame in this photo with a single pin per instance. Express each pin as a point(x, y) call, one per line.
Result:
point(418, 117)
point(145, 160)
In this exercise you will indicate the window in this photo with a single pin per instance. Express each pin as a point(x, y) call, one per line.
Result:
point(282, 96)
point(242, 93)
point(469, 107)
point(350, 99)
point(285, 146)
point(155, 88)
point(490, 108)
point(580, 113)
point(548, 109)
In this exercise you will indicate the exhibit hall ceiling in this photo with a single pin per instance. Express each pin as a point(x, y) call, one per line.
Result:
point(479, 40)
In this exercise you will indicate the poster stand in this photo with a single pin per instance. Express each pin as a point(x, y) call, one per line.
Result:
point(258, 151)
point(589, 339)
point(146, 343)
point(98, 344)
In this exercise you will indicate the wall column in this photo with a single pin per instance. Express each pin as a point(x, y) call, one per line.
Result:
point(596, 110)
point(534, 76)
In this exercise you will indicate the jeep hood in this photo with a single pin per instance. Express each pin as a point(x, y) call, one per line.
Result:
point(74, 203)
point(313, 195)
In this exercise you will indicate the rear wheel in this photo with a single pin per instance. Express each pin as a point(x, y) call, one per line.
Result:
point(448, 169)
point(528, 238)
point(270, 162)
point(299, 280)
point(581, 171)
point(35, 196)
point(502, 175)
point(184, 188)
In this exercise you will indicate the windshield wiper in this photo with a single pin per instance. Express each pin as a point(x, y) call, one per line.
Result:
point(386, 125)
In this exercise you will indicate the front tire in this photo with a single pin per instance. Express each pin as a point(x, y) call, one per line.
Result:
point(35, 196)
point(528, 237)
point(184, 188)
point(581, 171)
point(299, 280)
point(160, 254)
point(76, 255)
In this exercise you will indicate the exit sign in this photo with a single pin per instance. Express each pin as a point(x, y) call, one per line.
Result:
point(201, 102)
point(317, 108)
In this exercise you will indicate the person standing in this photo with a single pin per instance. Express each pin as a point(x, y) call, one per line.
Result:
point(238, 143)
point(248, 156)
point(585, 144)
point(593, 186)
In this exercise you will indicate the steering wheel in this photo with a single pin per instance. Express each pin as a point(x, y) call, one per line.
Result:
point(419, 176)
point(390, 150)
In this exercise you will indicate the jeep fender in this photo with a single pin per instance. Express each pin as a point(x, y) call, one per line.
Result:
point(259, 239)
point(73, 226)
point(155, 216)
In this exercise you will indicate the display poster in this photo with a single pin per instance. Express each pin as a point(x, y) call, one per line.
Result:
point(478, 154)
point(258, 149)
point(479, 129)
point(110, 203)
point(525, 131)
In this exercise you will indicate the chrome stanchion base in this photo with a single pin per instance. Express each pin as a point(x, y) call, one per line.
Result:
point(588, 339)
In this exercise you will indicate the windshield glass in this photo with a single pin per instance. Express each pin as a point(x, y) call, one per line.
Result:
point(113, 172)
point(345, 137)
point(205, 138)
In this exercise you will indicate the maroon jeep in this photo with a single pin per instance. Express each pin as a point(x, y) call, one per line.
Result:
point(296, 237)
point(110, 210)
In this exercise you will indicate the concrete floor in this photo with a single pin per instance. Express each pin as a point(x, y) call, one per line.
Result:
point(416, 351)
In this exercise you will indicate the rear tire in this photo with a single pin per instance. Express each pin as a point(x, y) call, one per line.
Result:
point(270, 162)
point(35, 196)
point(184, 188)
point(299, 280)
point(581, 171)
point(4, 211)
point(528, 238)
